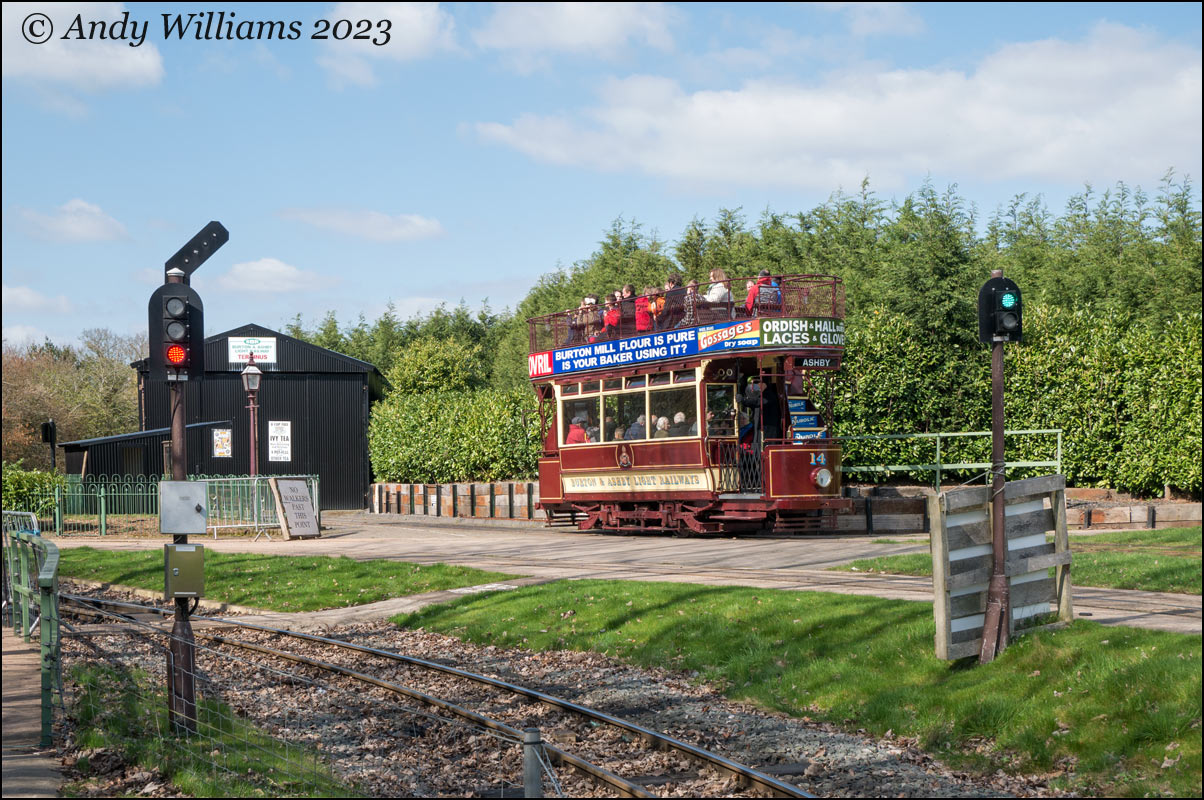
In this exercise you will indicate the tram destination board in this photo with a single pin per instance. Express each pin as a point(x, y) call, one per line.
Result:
point(746, 334)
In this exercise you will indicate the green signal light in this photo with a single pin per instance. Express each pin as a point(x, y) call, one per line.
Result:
point(1008, 299)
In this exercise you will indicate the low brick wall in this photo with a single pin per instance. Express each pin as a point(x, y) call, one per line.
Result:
point(501, 501)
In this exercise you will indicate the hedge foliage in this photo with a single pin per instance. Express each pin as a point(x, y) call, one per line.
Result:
point(1126, 395)
point(487, 435)
point(29, 489)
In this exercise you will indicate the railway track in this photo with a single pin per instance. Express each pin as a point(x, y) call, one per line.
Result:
point(611, 752)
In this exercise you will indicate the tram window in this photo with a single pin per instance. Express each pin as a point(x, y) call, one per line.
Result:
point(721, 409)
point(673, 412)
point(579, 420)
point(625, 417)
point(568, 388)
point(612, 384)
point(683, 376)
point(659, 379)
point(637, 382)
point(589, 386)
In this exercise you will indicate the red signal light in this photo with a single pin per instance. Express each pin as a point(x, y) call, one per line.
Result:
point(176, 355)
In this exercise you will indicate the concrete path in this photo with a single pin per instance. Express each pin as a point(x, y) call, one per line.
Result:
point(28, 771)
point(543, 554)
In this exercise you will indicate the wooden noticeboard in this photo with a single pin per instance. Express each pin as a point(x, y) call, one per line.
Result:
point(962, 559)
point(294, 508)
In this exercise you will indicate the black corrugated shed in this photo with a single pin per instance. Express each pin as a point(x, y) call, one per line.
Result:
point(324, 396)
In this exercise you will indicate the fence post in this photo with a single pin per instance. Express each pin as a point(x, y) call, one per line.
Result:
point(938, 462)
point(102, 508)
point(58, 510)
point(48, 625)
point(23, 552)
point(532, 772)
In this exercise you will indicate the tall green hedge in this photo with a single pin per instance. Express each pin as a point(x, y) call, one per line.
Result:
point(29, 489)
point(1127, 396)
point(487, 435)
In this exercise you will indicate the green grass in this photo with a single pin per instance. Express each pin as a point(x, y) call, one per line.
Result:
point(123, 710)
point(1115, 702)
point(1165, 560)
point(277, 583)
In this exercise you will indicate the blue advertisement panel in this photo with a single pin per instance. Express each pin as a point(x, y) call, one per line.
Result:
point(684, 342)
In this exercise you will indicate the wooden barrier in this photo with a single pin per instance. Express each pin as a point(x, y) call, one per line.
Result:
point(962, 559)
point(504, 501)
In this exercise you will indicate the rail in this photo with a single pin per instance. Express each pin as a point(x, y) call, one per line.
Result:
point(31, 584)
point(787, 296)
point(938, 466)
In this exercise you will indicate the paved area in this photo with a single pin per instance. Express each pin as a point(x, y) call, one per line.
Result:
point(544, 554)
point(28, 771)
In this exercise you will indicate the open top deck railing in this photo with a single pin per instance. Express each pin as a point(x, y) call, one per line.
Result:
point(721, 301)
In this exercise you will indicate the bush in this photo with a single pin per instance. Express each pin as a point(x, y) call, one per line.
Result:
point(30, 489)
point(488, 435)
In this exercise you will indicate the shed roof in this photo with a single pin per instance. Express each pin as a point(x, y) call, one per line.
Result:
point(122, 437)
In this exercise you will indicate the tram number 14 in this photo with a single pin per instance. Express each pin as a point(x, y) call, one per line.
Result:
point(819, 459)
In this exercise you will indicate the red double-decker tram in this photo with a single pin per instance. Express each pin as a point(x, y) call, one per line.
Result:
point(695, 412)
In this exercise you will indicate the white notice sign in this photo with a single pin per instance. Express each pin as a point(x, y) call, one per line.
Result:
point(294, 508)
point(221, 443)
point(240, 349)
point(280, 440)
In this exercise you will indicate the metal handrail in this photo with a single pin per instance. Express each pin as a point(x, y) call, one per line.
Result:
point(938, 466)
point(31, 566)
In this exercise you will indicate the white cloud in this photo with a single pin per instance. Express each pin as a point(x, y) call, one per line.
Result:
point(23, 298)
point(419, 30)
point(371, 225)
point(873, 19)
point(89, 65)
point(1121, 104)
point(75, 221)
point(528, 30)
point(19, 335)
point(271, 275)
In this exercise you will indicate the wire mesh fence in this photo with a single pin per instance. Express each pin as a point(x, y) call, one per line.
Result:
point(128, 505)
point(267, 726)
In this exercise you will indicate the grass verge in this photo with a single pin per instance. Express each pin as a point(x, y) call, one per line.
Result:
point(1153, 561)
point(278, 583)
point(1113, 705)
point(120, 710)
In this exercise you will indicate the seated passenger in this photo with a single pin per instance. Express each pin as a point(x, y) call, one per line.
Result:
point(679, 427)
point(656, 306)
point(764, 295)
point(591, 433)
point(662, 428)
point(610, 321)
point(690, 305)
point(627, 307)
point(591, 317)
point(643, 313)
point(636, 431)
point(673, 303)
point(718, 292)
point(576, 433)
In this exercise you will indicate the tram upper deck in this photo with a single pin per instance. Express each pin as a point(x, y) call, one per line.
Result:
point(729, 318)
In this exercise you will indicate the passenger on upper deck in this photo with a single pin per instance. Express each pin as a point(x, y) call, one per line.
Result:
point(643, 313)
point(627, 306)
point(656, 305)
point(610, 320)
point(673, 304)
point(764, 294)
point(719, 293)
point(690, 303)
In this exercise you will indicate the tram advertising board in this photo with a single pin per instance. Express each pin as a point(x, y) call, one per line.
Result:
point(715, 338)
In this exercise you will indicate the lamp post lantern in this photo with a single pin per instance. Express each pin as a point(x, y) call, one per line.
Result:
point(251, 376)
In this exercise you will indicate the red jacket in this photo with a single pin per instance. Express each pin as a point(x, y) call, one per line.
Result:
point(751, 302)
point(576, 435)
point(643, 315)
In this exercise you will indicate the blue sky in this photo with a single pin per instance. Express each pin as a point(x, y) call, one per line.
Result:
point(484, 145)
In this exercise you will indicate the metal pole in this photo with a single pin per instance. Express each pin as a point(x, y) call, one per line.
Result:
point(254, 408)
point(532, 771)
point(998, 613)
point(181, 657)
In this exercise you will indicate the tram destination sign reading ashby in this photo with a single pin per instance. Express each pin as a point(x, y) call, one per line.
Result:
point(822, 332)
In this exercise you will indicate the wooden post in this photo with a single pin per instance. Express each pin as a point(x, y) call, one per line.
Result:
point(1061, 545)
point(940, 568)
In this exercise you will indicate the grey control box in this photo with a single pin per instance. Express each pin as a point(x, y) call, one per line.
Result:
point(183, 507)
point(183, 570)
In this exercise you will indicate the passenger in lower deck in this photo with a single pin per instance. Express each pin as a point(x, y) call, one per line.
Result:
point(637, 431)
point(662, 428)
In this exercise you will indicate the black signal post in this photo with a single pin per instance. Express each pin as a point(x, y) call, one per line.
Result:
point(177, 354)
point(999, 320)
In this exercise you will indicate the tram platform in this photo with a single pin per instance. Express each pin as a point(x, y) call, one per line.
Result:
point(798, 564)
point(29, 771)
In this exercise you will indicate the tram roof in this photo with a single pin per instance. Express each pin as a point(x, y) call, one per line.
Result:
point(800, 314)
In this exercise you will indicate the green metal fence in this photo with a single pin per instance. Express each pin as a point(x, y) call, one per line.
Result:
point(123, 505)
point(941, 453)
point(31, 600)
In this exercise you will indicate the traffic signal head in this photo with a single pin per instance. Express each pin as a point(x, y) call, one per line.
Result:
point(999, 311)
point(177, 338)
